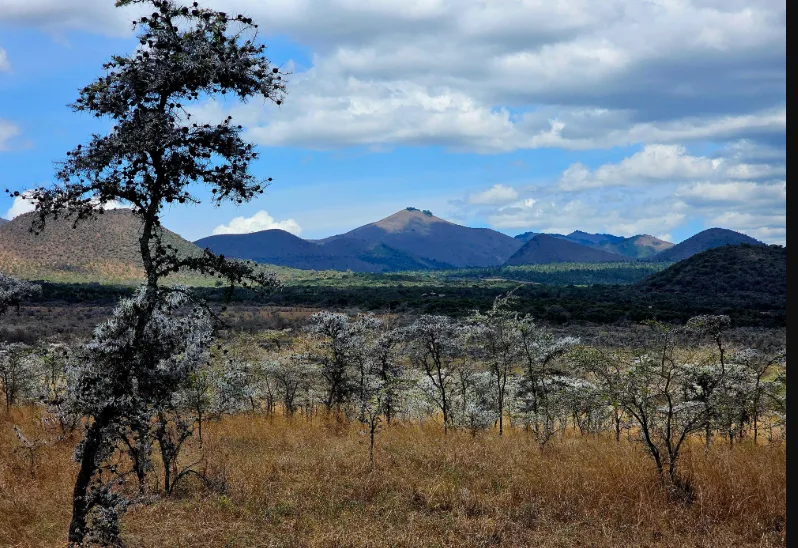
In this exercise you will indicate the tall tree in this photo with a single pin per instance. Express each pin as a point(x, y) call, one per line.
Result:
point(154, 156)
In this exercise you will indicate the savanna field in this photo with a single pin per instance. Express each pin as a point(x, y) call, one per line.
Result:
point(214, 333)
point(273, 481)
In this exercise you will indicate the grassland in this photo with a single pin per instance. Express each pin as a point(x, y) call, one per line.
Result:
point(293, 482)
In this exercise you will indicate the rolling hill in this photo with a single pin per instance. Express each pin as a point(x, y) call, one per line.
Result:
point(707, 239)
point(421, 234)
point(103, 248)
point(544, 248)
point(736, 273)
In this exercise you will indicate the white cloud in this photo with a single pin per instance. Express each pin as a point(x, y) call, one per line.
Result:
point(257, 222)
point(7, 132)
point(742, 193)
point(4, 63)
point(497, 194)
point(22, 205)
point(588, 74)
point(19, 206)
point(673, 187)
point(662, 163)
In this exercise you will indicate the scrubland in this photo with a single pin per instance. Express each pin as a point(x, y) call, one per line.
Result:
point(307, 481)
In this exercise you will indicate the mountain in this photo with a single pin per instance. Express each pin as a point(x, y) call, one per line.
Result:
point(105, 247)
point(279, 247)
point(544, 248)
point(3, 221)
point(708, 239)
point(421, 234)
point(739, 274)
point(526, 236)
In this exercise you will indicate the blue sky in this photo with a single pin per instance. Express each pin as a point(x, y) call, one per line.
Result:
point(661, 118)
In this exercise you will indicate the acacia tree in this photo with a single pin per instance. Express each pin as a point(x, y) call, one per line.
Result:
point(151, 158)
point(435, 347)
point(497, 334)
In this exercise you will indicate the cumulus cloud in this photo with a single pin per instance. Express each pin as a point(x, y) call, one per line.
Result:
point(22, 205)
point(497, 194)
point(496, 77)
point(19, 206)
point(658, 162)
point(257, 222)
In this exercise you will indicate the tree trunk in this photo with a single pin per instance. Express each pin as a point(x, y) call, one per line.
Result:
point(88, 466)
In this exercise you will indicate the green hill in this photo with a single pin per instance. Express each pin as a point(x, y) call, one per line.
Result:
point(732, 273)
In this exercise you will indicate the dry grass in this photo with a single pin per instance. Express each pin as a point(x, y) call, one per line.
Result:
point(293, 483)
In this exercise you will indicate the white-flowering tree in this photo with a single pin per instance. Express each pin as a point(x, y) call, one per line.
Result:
point(497, 337)
point(434, 345)
point(340, 354)
point(539, 405)
point(670, 396)
point(13, 292)
point(153, 156)
point(292, 377)
point(20, 370)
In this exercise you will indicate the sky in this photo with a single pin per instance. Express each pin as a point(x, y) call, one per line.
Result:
point(661, 117)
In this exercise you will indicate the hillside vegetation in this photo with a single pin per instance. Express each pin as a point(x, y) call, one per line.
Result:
point(730, 271)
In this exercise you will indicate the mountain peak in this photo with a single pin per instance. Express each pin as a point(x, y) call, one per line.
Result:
point(408, 218)
point(704, 240)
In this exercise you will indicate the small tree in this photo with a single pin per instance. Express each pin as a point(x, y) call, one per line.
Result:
point(537, 398)
point(661, 392)
point(435, 347)
point(496, 333)
point(19, 373)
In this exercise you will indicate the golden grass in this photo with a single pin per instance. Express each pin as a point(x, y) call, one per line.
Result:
point(281, 482)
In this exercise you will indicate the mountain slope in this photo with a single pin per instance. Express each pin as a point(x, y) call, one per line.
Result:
point(730, 272)
point(708, 239)
point(421, 234)
point(282, 248)
point(3, 221)
point(104, 247)
point(549, 249)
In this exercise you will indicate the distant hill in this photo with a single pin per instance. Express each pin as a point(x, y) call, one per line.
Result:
point(585, 238)
point(707, 239)
point(543, 249)
point(279, 247)
point(104, 247)
point(734, 273)
point(422, 234)
point(636, 247)
point(3, 221)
